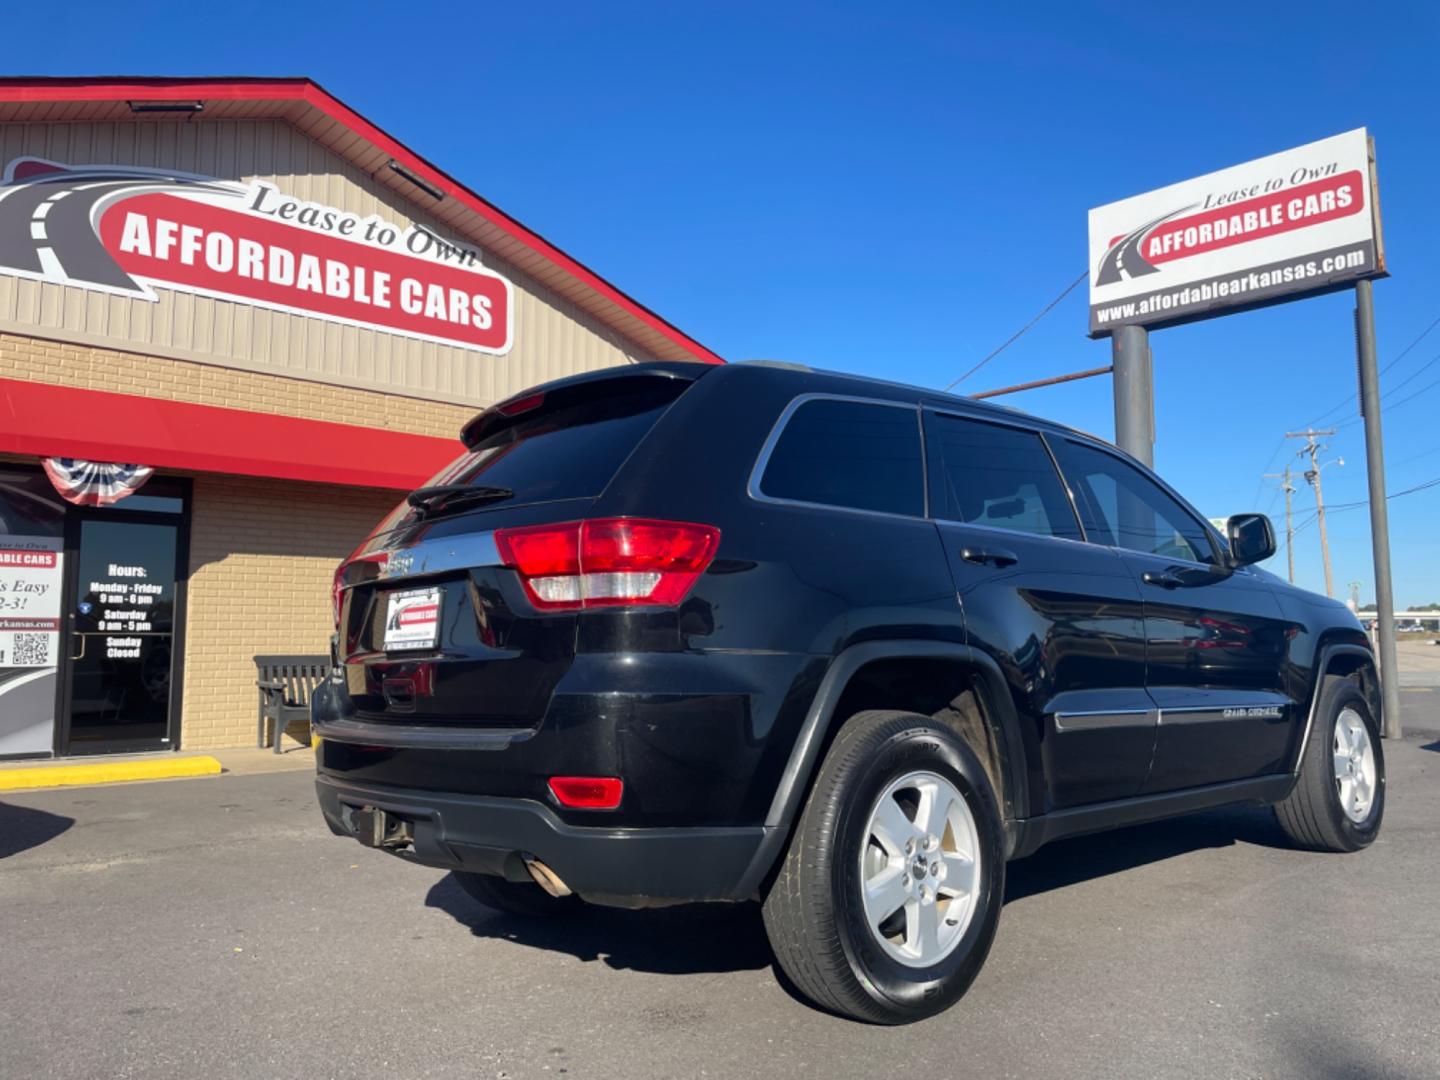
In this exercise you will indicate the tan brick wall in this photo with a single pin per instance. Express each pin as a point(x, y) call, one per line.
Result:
point(261, 556)
point(63, 364)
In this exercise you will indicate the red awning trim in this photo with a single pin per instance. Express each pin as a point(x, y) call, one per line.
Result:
point(63, 421)
point(309, 93)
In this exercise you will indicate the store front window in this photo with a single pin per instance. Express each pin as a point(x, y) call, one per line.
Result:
point(100, 629)
point(32, 541)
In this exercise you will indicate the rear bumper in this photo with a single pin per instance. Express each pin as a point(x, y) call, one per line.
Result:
point(622, 866)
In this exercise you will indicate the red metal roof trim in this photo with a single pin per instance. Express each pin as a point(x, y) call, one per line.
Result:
point(121, 88)
point(64, 421)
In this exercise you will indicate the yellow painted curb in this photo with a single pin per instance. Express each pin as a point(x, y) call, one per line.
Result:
point(107, 772)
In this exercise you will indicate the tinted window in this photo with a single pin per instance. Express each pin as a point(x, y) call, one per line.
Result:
point(1125, 508)
point(570, 445)
point(999, 476)
point(847, 453)
point(29, 505)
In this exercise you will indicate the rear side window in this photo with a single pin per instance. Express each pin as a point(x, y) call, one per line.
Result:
point(569, 445)
point(849, 453)
point(988, 474)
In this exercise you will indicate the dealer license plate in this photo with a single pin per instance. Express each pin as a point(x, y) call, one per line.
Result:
point(412, 619)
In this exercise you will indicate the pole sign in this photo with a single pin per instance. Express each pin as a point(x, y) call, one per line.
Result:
point(1299, 222)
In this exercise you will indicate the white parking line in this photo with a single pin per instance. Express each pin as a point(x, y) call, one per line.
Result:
point(43, 210)
point(37, 231)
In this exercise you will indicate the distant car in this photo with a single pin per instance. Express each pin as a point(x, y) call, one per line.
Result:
point(845, 647)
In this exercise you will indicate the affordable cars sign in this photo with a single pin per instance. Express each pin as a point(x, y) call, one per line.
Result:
point(1301, 221)
point(127, 230)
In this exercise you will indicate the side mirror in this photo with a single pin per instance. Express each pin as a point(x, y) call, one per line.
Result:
point(1252, 538)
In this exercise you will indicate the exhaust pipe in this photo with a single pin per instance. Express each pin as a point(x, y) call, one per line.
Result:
point(546, 878)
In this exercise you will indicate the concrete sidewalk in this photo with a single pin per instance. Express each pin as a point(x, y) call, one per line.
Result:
point(1419, 663)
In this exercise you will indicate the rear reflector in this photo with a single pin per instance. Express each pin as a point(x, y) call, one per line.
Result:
point(587, 792)
point(608, 562)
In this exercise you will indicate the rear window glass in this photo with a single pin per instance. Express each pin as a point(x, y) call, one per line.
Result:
point(571, 446)
point(849, 453)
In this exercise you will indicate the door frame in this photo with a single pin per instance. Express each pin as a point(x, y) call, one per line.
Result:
point(69, 597)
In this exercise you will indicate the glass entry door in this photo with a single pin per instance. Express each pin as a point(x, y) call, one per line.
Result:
point(122, 633)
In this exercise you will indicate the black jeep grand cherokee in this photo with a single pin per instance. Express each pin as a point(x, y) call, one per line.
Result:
point(675, 632)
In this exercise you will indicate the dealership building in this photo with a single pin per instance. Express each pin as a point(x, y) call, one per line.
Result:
point(243, 320)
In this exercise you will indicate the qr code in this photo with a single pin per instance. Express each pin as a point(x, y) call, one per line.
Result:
point(31, 650)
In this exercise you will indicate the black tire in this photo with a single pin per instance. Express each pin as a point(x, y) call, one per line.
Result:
point(523, 899)
point(814, 912)
point(1312, 815)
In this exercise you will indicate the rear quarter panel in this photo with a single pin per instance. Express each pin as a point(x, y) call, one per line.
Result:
point(788, 581)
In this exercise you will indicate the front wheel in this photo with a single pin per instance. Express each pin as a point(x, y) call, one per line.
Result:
point(887, 901)
point(1339, 797)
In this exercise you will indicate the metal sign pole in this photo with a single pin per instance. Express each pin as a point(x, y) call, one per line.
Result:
point(1379, 512)
point(1134, 389)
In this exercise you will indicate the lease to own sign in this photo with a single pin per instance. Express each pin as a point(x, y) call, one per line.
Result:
point(29, 601)
point(125, 230)
point(1300, 221)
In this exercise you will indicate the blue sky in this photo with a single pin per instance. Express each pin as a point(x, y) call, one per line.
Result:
point(895, 189)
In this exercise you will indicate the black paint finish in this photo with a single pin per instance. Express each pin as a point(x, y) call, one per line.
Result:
point(1108, 689)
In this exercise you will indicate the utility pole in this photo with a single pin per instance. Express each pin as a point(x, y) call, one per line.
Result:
point(1313, 446)
point(1289, 489)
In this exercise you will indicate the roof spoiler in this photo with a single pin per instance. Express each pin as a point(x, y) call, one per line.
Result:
point(607, 380)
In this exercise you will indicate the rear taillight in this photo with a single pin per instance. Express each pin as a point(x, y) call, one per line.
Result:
point(516, 406)
point(336, 585)
point(608, 562)
point(345, 574)
point(587, 792)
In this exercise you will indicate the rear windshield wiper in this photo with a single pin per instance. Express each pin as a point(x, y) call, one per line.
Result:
point(431, 500)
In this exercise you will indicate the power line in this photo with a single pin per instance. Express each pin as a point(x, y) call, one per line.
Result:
point(1386, 405)
point(1402, 354)
point(1273, 455)
point(1411, 377)
point(1342, 507)
point(1415, 457)
point(1018, 333)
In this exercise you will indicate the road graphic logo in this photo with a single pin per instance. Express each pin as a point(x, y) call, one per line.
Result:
point(128, 231)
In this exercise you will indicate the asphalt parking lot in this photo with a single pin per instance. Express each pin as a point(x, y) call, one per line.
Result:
point(215, 928)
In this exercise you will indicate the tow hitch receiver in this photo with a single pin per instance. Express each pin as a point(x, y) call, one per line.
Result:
point(377, 829)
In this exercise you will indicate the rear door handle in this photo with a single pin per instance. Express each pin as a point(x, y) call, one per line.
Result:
point(996, 557)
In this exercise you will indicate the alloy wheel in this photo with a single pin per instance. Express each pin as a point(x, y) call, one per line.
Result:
point(1355, 773)
point(919, 869)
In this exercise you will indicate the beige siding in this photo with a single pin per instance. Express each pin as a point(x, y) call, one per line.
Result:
point(551, 336)
point(261, 556)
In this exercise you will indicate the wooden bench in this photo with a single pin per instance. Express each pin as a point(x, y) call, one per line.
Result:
point(285, 684)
